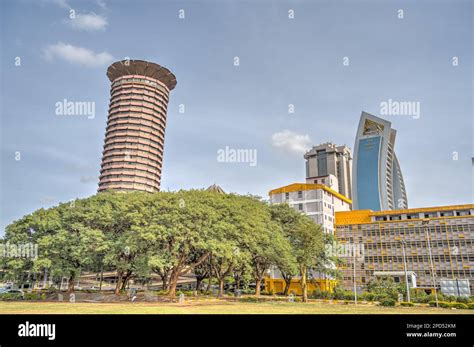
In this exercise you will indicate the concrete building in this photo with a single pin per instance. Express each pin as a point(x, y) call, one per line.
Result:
point(135, 134)
point(318, 201)
point(377, 177)
point(330, 165)
point(383, 237)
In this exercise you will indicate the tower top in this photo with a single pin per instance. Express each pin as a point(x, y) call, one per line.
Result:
point(142, 68)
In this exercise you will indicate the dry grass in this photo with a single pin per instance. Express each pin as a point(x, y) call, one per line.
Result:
point(212, 306)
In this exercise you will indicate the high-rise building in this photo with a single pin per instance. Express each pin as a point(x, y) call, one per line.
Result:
point(377, 178)
point(318, 201)
point(432, 244)
point(327, 159)
point(135, 135)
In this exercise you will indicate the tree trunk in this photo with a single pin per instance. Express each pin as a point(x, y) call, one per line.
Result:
point(119, 282)
point(304, 284)
point(125, 280)
point(221, 288)
point(258, 283)
point(173, 282)
point(287, 285)
point(164, 281)
point(209, 282)
point(70, 284)
point(198, 283)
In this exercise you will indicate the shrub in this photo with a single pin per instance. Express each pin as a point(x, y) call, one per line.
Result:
point(388, 302)
point(407, 304)
point(463, 299)
point(10, 296)
point(444, 304)
point(316, 294)
point(470, 306)
point(185, 292)
point(367, 296)
point(326, 295)
point(35, 296)
point(459, 305)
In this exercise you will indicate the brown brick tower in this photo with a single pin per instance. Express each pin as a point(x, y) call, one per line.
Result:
point(135, 134)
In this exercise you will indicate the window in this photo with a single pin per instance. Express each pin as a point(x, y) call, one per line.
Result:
point(300, 194)
point(322, 163)
point(287, 196)
point(300, 207)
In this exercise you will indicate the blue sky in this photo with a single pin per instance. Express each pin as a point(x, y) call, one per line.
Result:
point(283, 61)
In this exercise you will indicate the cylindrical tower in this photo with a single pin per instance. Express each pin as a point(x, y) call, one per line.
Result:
point(135, 134)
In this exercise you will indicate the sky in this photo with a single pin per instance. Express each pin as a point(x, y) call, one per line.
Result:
point(241, 67)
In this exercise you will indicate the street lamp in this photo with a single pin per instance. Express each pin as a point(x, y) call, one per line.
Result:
point(354, 275)
point(428, 239)
point(405, 267)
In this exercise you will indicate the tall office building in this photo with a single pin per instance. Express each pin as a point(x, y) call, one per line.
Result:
point(377, 177)
point(327, 159)
point(135, 135)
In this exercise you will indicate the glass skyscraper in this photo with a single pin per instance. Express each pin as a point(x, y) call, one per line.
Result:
point(377, 177)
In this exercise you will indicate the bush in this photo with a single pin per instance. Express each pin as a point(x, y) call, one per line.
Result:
point(407, 304)
point(463, 299)
point(367, 296)
point(35, 296)
point(444, 304)
point(316, 294)
point(388, 302)
point(470, 306)
point(185, 292)
point(459, 305)
point(10, 296)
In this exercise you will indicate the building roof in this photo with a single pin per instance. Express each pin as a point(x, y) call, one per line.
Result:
point(216, 189)
point(295, 187)
point(364, 216)
point(142, 68)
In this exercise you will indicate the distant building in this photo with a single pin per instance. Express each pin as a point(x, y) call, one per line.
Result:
point(216, 189)
point(377, 177)
point(379, 238)
point(315, 200)
point(135, 134)
point(330, 165)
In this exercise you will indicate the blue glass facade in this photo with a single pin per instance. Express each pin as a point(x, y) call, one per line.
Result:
point(368, 174)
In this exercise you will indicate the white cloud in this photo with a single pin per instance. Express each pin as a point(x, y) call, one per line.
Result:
point(88, 22)
point(76, 55)
point(291, 141)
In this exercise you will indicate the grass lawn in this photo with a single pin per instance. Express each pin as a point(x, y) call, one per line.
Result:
point(212, 306)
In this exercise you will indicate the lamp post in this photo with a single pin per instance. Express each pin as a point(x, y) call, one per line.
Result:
point(354, 275)
point(428, 240)
point(405, 267)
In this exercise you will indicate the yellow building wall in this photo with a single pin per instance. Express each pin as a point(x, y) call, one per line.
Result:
point(277, 286)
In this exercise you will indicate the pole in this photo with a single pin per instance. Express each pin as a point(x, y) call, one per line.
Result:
point(354, 277)
point(406, 273)
point(431, 265)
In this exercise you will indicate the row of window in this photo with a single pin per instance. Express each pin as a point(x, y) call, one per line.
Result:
point(118, 141)
point(140, 80)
